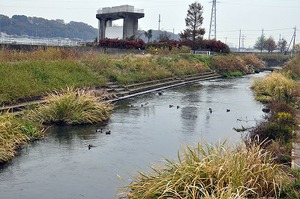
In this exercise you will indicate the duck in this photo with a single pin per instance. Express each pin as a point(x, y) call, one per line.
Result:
point(210, 110)
point(108, 132)
point(160, 93)
point(170, 106)
point(177, 107)
point(227, 110)
point(99, 130)
point(90, 146)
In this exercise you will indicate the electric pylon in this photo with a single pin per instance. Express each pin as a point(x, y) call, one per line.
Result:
point(213, 22)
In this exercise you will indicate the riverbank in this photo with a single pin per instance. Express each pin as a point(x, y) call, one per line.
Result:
point(30, 75)
point(27, 76)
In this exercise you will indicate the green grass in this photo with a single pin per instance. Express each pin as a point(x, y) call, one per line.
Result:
point(31, 78)
point(71, 107)
point(213, 172)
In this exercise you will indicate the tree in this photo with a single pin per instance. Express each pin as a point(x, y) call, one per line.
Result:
point(193, 22)
point(148, 34)
point(270, 44)
point(282, 45)
point(260, 43)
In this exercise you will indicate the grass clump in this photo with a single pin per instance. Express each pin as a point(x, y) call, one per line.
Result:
point(213, 172)
point(71, 107)
point(14, 133)
point(274, 87)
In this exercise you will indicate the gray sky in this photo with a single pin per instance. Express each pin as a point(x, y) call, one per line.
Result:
point(251, 16)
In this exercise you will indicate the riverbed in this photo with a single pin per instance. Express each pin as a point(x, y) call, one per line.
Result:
point(143, 131)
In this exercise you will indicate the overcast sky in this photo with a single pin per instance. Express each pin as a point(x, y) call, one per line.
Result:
point(276, 17)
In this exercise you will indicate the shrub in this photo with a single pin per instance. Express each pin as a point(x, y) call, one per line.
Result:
point(292, 68)
point(252, 61)
point(122, 44)
point(71, 107)
point(229, 63)
point(213, 172)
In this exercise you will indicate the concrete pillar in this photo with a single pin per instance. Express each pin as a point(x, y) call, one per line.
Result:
point(130, 26)
point(109, 23)
point(102, 28)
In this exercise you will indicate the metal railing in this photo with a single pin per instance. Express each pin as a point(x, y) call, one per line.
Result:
point(124, 8)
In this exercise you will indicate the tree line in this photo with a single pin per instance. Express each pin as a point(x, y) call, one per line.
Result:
point(262, 43)
point(40, 27)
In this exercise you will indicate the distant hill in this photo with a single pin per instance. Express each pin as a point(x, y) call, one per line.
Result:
point(40, 27)
point(156, 33)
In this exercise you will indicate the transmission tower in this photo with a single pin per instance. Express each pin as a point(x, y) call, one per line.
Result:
point(213, 22)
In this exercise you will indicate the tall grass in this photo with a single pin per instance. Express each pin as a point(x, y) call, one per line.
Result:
point(130, 68)
point(71, 107)
point(213, 172)
point(274, 87)
point(14, 133)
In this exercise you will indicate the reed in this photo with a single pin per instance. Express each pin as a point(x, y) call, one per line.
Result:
point(14, 133)
point(72, 107)
point(213, 172)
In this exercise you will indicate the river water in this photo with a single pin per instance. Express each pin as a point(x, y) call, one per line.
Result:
point(144, 130)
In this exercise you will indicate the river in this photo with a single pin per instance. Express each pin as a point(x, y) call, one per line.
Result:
point(144, 130)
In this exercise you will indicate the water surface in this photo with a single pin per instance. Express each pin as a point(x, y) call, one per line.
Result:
point(144, 130)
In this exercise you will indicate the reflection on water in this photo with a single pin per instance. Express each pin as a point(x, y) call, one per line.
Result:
point(144, 130)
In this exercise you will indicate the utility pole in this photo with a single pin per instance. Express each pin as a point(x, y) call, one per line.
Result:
point(173, 33)
point(243, 38)
point(240, 35)
point(159, 22)
point(213, 22)
point(294, 41)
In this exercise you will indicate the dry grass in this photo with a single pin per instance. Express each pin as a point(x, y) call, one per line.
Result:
point(274, 87)
point(213, 172)
point(71, 107)
point(15, 133)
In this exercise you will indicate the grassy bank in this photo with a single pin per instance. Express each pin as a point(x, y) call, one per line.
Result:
point(26, 74)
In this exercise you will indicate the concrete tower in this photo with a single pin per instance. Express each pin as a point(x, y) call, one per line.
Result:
point(130, 17)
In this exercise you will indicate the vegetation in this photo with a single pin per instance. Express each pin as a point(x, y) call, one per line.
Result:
point(40, 27)
point(281, 94)
point(213, 172)
point(230, 65)
point(274, 87)
point(72, 107)
point(267, 44)
point(193, 22)
point(14, 133)
point(292, 68)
